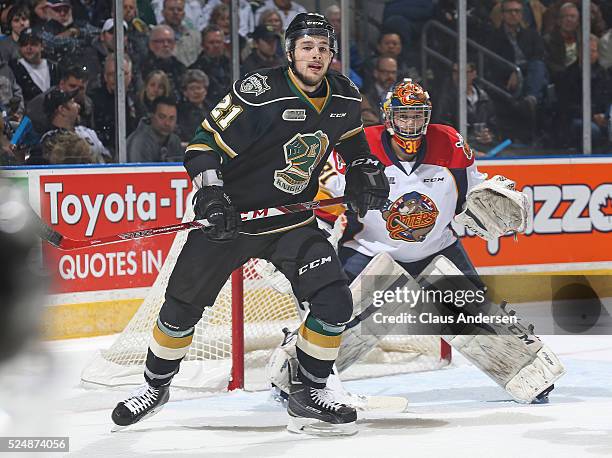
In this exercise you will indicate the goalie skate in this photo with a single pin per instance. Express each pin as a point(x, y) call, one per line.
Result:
point(145, 403)
point(315, 411)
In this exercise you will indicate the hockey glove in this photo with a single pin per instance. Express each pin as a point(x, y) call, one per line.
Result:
point(367, 187)
point(211, 203)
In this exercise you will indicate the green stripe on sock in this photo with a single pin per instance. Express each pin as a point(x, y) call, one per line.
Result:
point(321, 327)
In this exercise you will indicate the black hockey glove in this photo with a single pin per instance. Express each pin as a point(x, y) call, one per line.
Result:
point(211, 203)
point(367, 187)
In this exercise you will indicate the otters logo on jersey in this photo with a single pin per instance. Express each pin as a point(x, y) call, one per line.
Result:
point(411, 217)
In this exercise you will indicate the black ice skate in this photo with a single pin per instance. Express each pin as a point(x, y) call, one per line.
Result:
point(314, 411)
point(146, 402)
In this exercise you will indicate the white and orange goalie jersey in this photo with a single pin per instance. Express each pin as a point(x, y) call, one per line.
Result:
point(425, 195)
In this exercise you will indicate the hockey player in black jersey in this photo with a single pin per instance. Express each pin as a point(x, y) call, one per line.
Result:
point(265, 144)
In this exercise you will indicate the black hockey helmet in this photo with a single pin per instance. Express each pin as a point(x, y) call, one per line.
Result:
point(310, 24)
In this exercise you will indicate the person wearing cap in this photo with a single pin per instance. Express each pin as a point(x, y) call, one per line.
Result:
point(63, 112)
point(263, 55)
point(187, 39)
point(63, 36)
point(34, 74)
point(72, 77)
point(18, 19)
point(101, 46)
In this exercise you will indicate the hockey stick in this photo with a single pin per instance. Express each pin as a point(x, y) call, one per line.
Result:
point(65, 243)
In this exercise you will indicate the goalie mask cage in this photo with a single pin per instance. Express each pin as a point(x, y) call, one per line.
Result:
point(235, 338)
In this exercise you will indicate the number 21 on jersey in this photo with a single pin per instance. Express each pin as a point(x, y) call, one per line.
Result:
point(225, 112)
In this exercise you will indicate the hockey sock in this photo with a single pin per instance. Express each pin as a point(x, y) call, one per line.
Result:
point(166, 350)
point(318, 343)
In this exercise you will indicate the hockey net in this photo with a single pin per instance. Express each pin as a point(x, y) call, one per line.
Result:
point(215, 363)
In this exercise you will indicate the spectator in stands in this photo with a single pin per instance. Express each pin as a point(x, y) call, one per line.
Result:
point(271, 18)
point(406, 18)
point(384, 75)
point(523, 47)
point(220, 17)
point(605, 50)
point(563, 42)
point(63, 37)
point(10, 92)
point(101, 46)
point(570, 101)
point(154, 139)
point(156, 84)
point(333, 15)
point(137, 33)
point(213, 61)
point(197, 12)
point(532, 17)
point(95, 12)
point(263, 55)
point(389, 45)
point(104, 102)
point(63, 112)
point(480, 109)
point(34, 74)
point(63, 147)
point(246, 18)
point(370, 115)
point(551, 17)
point(191, 112)
point(287, 10)
point(72, 78)
point(18, 19)
point(188, 40)
point(40, 17)
point(161, 57)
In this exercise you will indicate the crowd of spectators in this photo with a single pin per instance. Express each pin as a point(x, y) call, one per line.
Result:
point(57, 71)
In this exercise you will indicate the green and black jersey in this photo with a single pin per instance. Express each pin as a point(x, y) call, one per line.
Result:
point(271, 140)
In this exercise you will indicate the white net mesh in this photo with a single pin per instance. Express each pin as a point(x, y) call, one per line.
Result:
point(268, 307)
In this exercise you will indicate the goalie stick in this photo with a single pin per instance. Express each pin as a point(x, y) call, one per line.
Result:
point(65, 243)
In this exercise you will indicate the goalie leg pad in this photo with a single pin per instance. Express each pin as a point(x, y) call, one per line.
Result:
point(389, 275)
point(509, 354)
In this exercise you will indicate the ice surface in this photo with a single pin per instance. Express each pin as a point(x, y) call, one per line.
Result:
point(456, 412)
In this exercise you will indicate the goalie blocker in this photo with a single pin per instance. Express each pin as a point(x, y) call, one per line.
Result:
point(512, 356)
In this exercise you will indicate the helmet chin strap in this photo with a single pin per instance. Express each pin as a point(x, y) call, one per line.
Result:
point(408, 145)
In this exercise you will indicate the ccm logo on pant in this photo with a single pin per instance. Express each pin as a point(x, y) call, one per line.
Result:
point(314, 264)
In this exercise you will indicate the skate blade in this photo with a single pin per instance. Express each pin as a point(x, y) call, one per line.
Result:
point(118, 428)
point(313, 427)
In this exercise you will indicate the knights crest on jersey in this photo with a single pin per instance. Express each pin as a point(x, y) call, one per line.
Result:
point(302, 153)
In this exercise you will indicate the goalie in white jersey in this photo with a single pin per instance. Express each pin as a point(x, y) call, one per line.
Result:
point(430, 169)
point(434, 180)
